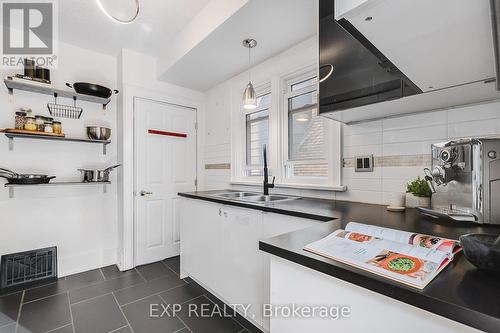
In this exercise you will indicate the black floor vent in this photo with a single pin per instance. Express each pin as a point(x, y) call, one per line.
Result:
point(19, 269)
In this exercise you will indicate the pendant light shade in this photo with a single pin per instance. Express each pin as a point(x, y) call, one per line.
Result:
point(249, 97)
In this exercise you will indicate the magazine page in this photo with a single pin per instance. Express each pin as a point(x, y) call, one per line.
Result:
point(405, 263)
point(420, 240)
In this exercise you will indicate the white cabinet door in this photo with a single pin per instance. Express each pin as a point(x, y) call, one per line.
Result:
point(241, 281)
point(201, 248)
point(274, 225)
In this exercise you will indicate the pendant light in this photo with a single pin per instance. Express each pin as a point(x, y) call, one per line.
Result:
point(249, 97)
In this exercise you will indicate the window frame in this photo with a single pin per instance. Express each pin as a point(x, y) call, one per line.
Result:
point(332, 140)
point(239, 166)
point(278, 84)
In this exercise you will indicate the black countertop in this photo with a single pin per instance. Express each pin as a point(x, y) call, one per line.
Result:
point(309, 208)
point(460, 292)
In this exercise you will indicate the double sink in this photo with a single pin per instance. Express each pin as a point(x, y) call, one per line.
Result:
point(253, 197)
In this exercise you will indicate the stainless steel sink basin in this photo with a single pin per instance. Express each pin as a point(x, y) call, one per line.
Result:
point(234, 195)
point(267, 198)
point(253, 197)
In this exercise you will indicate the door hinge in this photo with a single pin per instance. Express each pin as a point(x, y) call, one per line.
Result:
point(196, 126)
point(196, 182)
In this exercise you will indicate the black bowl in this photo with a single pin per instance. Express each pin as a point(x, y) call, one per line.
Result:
point(482, 251)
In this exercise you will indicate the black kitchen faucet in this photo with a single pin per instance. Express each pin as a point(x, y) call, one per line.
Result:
point(267, 186)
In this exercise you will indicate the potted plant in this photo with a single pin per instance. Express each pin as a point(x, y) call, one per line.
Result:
point(418, 193)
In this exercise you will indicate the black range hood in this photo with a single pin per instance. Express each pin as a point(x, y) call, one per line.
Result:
point(353, 72)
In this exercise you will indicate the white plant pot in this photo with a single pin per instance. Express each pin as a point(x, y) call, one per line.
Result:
point(414, 201)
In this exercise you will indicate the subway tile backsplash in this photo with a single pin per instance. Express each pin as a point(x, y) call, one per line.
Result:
point(401, 147)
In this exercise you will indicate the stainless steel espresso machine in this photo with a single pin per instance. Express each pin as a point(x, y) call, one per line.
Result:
point(465, 180)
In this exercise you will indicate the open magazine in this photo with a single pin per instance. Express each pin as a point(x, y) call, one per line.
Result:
point(409, 258)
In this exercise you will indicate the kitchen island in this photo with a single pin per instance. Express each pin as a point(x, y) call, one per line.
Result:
point(459, 294)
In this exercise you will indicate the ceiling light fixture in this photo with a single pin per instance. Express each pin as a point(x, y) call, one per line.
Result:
point(121, 21)
point(249, 97)
point(302, 118)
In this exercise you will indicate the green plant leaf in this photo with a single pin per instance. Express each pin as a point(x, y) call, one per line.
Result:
point(419, 188)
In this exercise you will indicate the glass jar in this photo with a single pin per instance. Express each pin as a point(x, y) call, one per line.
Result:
point(48, 127)
point(20, 120)
point(30, 124)
point(40, 123)
point(57, 127)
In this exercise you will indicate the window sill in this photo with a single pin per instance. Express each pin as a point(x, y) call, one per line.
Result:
point(341, 188)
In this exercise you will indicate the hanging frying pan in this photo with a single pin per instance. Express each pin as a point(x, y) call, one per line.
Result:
point(92, 89)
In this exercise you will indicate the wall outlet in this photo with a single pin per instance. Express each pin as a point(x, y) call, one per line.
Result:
point(363, 163)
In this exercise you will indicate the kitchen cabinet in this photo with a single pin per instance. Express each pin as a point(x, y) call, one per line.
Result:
point(201, 248)
point(368, 309)
point(241, 280)
point(220, 250)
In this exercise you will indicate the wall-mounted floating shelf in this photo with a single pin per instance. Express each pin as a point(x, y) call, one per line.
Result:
point(11, 187)
point(13, 83)
point(13, 136)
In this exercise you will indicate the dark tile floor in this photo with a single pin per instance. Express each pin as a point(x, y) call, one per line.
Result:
point(106, 300)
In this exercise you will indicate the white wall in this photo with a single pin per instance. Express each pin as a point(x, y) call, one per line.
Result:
point(405, 136)
point(80, 221)
point(138, 79)
point(401, 137)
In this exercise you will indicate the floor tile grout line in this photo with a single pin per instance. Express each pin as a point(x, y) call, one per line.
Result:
point(57, 328)
point(155, 294)
point(71, 313)
point(19, 312)
point(119, 328)
point(112, 291)
point(225, 313)
point(138, 272)
point(45, 297)
point(72, 289)
point(170, 268)
point(90, 299)
point(91, 285)
point(123, 313)
point(102, 274)
point(179, 318)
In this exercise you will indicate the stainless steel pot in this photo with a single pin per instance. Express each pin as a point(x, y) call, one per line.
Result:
point(96, 175)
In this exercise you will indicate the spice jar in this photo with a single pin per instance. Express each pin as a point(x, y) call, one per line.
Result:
point(20, 120)
point(30, 124)
point(57, 127)
point(40, 123)
point(48, 127)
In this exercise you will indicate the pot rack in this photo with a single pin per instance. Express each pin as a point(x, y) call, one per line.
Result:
point(12, 84)
point(12, 187)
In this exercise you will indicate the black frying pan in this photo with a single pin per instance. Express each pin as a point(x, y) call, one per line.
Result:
point(92, 89)
point(24, 179)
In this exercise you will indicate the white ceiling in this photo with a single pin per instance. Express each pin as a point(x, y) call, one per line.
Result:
point(275, 24)
point(82, 23)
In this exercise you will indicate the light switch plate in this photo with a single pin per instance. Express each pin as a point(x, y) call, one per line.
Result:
point(363, 163)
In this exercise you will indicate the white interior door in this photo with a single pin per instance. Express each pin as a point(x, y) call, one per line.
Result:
point(165, 164)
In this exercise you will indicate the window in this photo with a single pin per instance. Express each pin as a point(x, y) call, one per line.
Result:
point(257, 135)
point(306, 146)
point(303, 149)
